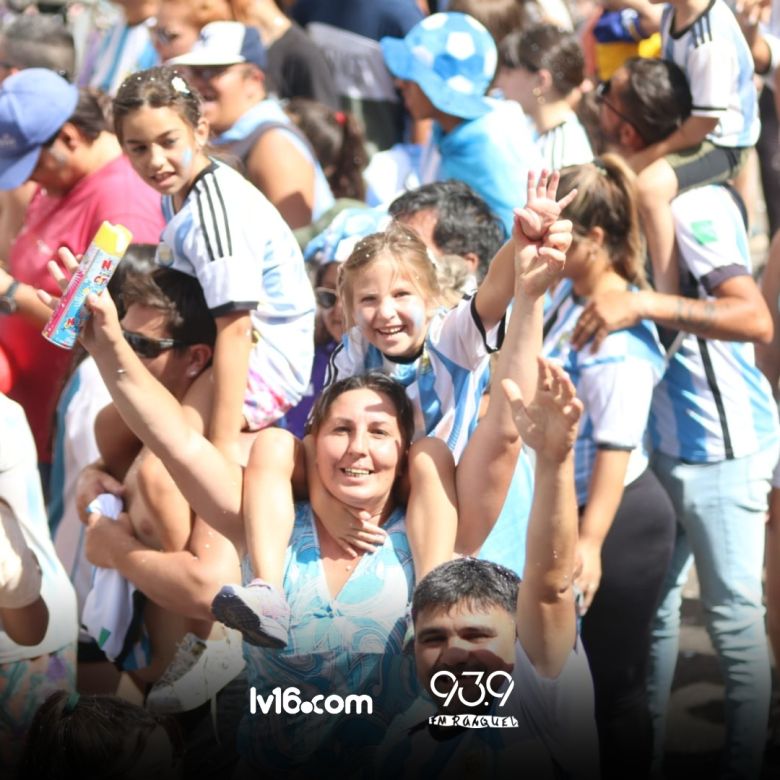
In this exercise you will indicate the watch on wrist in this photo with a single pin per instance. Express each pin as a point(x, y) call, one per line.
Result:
point(8, 304)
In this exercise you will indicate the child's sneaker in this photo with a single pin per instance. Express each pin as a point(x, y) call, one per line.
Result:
point(200, 669)
point(258, 611)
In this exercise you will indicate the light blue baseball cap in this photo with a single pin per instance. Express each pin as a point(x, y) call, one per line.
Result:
point(34, 104)
point(452, 57)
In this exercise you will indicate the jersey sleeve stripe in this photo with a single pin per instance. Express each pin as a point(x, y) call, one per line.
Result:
point(229, 238)
point(719, 275)
point(206, 236)
point(213, 214)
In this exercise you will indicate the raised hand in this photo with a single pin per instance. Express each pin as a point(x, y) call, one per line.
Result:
point(549, 424)
point(541, 210)
point(537, 268)
point(103, 326)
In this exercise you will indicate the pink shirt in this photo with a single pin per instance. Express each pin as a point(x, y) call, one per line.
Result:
point(114, 192)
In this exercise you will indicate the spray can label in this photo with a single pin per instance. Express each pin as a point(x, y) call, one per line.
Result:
point(96, 268)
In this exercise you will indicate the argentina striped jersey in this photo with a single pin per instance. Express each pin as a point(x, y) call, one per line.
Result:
point(714, 56)
point(615, 385)
point(245, 257)
point(445, 383)
point(123, 49)
point(713, 403)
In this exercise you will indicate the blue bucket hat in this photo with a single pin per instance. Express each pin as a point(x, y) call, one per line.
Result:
point(336, 242)
point(452, 57)
point(34, 104)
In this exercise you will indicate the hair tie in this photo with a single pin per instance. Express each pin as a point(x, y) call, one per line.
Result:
point(71, 702)
point(600, 167)
point(340, 117)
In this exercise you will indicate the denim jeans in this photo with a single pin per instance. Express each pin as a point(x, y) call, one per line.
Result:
point(720, 525)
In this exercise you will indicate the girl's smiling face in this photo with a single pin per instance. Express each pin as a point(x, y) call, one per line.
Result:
point(389, 309)
point(164, 149)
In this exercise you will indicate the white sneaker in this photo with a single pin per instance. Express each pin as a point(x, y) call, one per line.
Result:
point(258, 611)
point(199, 670)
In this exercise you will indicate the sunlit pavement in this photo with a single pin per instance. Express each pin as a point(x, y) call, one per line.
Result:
point(695, 729)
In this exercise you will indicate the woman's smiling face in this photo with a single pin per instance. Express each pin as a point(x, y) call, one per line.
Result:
point(359, 449)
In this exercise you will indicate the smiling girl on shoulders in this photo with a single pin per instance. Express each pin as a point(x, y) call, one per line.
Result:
point(392, 303)
point(222, 230)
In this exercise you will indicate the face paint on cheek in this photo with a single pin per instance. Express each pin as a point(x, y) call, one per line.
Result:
point(417, 315)
point(361, 321)
point(186, 159)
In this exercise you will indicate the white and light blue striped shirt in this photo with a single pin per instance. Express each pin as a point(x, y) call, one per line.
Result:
point(445, 383)
point(615, 385)
point(715, 57)
point(122, 50)
point(713, 403)
point(234, 242)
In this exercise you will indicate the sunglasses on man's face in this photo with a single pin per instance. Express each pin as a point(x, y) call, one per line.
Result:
point(602, 90)
point(325, 297)
point(145, 347)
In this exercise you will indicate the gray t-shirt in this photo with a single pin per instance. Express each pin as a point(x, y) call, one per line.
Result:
point(555, 735)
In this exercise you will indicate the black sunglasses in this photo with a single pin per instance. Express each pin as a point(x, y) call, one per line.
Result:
point(602, 90)
point(325, 297)
point(150, 348)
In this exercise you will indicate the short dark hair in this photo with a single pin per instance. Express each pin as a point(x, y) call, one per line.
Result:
point(464, 220)
point(90, 736)
point(139, 259)
point(468, 581)
point(546, 47)
point(177, 295)
point(656, 98)
point(40, 41)
point(373, 380)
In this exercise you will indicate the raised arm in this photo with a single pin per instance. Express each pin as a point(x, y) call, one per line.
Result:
point(546, 622)
point(210, 482)
point(485, 470)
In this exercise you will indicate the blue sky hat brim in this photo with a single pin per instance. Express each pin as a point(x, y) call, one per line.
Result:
point(15, 171)
point(404, 65)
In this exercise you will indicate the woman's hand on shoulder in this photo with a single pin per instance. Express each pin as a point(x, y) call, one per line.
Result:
point(604, 313)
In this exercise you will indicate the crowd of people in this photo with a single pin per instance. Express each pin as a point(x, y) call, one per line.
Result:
point(436, 361)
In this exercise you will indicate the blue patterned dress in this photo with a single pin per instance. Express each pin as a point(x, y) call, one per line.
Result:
point(350, 644)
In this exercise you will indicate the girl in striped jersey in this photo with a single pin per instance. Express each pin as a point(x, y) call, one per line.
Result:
point(223, 231)
point(392, 303)
point(626, 518)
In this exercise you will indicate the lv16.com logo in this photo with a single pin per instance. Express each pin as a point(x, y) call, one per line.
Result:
point(288, 702)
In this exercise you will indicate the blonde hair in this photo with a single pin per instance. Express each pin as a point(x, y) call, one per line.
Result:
point(606, 198)
point(406, 249)
point(453, 274)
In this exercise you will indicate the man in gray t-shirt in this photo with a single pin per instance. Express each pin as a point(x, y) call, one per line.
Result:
point(508, 685)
